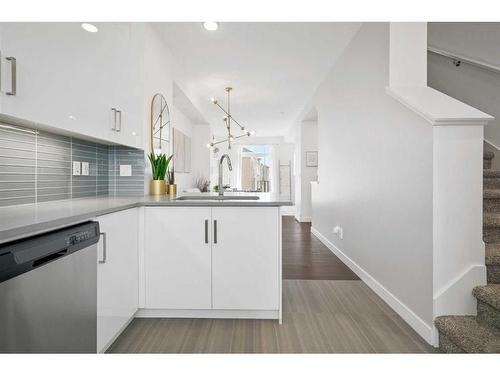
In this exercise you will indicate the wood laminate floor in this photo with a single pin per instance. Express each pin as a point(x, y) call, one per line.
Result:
point(326, 309)
point(320, 316)
point(306, 258)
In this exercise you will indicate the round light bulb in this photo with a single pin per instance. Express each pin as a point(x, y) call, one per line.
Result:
point(89, 27)
point(210, 26)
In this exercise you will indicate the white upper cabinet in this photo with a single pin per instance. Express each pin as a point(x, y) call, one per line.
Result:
point(71, 79)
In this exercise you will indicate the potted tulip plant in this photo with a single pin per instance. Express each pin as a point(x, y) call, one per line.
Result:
point(159, 168)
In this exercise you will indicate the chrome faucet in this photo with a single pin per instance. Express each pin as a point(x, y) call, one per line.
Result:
point(225, 156)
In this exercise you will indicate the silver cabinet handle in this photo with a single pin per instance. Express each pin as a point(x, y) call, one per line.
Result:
point(13, 75)
point(113, 122)
point(119, 127)
point(104, 248)
point(215, 231)
point(206, 231)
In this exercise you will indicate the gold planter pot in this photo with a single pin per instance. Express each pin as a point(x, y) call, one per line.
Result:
point(158, 187)
point(172, 189)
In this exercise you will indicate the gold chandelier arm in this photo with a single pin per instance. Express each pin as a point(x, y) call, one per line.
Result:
point(231, 117)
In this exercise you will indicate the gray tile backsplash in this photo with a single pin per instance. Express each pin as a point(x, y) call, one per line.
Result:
point(38, 168)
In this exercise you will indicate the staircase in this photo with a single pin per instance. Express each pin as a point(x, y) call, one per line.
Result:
point(481, 333)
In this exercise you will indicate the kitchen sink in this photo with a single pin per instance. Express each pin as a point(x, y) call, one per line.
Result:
point(217, 198)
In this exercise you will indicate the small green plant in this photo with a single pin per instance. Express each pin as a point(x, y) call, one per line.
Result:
point(159, 165)
point(171, 176)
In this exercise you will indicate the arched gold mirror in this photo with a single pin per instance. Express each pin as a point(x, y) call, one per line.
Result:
point(160, 125)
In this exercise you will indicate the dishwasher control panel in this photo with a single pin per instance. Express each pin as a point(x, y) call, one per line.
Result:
point(78, 237)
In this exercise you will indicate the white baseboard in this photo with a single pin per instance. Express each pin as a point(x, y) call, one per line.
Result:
point(303, 219)
point(421, 327)
point(457, 298)
point(492, 144)
point(288, 210)
point(208, 314)
point(115, 336)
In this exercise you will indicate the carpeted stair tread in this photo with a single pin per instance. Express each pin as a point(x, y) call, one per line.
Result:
point(491, 173)
point(491, 219)
point(491, 193)
point(489, 294)
point(493, 254)
point(466, 333)
point(488, 155)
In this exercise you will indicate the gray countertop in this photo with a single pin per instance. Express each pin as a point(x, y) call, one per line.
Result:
point(24, 220)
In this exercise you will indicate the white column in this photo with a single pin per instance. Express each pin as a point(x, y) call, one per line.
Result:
point(408, 54)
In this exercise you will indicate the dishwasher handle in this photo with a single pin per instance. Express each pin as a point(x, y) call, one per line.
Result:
point(49, 258)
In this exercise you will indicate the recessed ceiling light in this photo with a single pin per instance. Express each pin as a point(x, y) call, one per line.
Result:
point(89, 27)
point(211, 26)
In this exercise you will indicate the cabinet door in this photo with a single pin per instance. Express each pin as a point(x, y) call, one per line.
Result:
point(127, 87)
point(59, 78)
point(124, 67)
point(70, 79)
point(245, 258)
point(117, 277)
point(177, 258)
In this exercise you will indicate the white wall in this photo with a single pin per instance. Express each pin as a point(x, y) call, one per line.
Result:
point(307, 140)
point(408, 54)
point(375, 173)
point(181, 122)
point(478, 40)
point(200, 153)
point(159, 69)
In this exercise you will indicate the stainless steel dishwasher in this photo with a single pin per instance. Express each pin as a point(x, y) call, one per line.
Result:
point(48, 292)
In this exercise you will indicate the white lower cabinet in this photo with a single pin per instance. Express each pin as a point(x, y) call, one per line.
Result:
point(220, 258)
point(245, 258)
point(178, 257)
point(117, 274)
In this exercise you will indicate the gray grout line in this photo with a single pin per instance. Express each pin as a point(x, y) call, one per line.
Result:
point(71, 171)
point(36, 167)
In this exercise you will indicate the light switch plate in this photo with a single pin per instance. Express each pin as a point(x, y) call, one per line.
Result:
point(125, 170)
point(77, 168)
point(339, 231)
point(85, 168)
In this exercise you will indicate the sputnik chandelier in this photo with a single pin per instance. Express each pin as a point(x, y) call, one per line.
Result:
point(228, 120)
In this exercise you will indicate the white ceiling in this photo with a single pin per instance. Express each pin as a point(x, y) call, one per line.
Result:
point(274, 68)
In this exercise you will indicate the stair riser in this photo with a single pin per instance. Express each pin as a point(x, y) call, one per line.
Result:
point(493, 274)
point(487, 164)
point(446, 346)
point(491, 205)
point(491, 183)
point(488, 315)
point(491, 235)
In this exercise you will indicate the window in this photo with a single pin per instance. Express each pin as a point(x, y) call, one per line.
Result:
point(256, 168)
